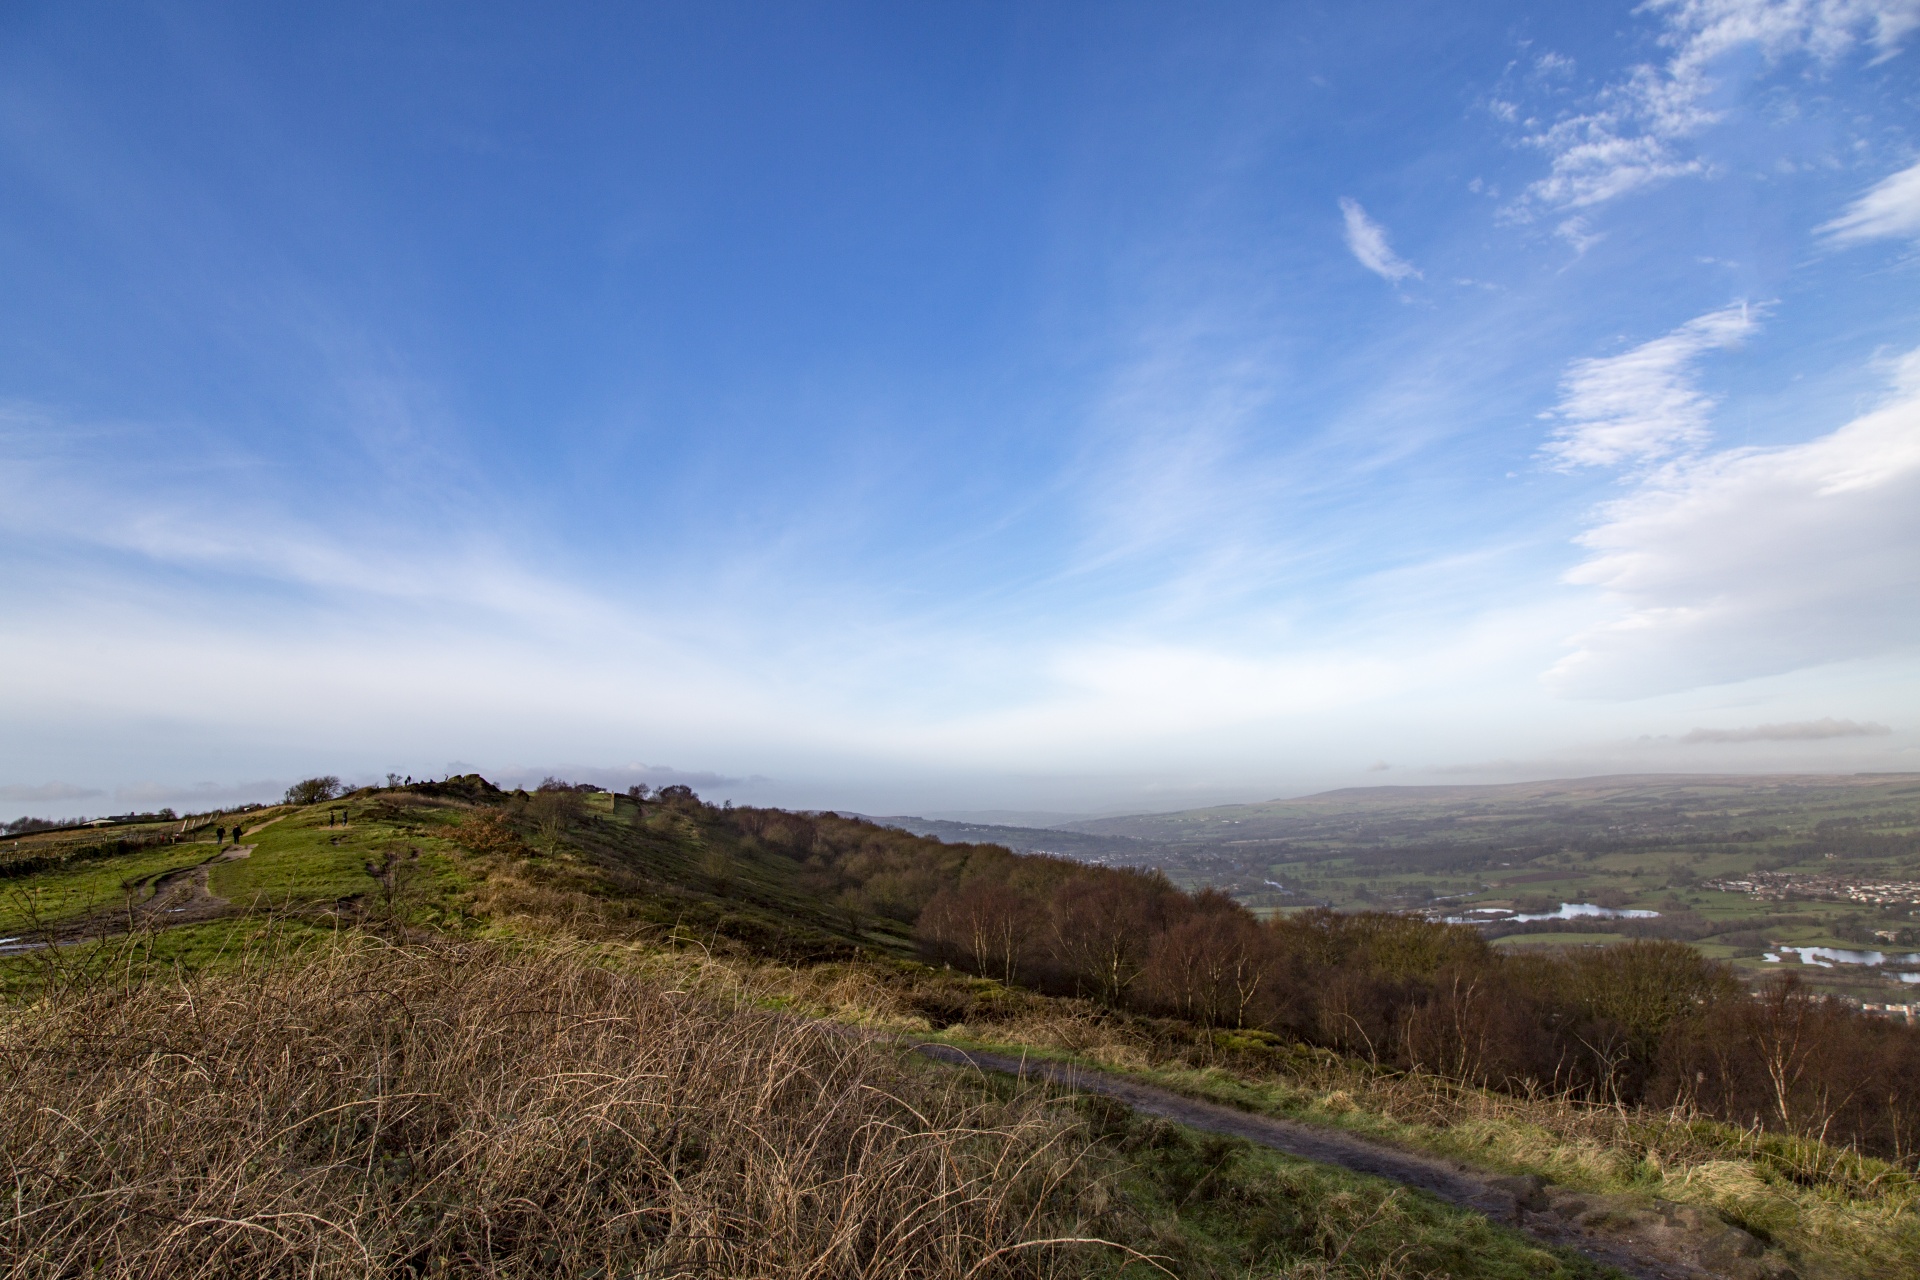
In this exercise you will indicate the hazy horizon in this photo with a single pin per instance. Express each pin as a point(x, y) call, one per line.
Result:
point(73, 802)
point(1003, 408)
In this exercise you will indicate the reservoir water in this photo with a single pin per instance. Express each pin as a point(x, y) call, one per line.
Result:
point(1829, 957)
point(1566, 911)
point(1587, 911)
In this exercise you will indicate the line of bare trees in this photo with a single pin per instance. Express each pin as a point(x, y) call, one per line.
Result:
point(1642, 1023)
point(1650, 1022)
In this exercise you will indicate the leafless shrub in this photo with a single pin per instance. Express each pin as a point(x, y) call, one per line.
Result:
point(488, 833)
point(554, 810)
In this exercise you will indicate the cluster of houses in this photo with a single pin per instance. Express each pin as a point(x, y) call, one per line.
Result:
point(1905, 1012)
point(1779, 886)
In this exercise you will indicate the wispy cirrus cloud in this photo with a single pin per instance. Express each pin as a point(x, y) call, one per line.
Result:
point(1643, 404)
point(86, 485)
point(1368, 241)
point(1790, 731)
point(1632, 133)
point(1890, 209)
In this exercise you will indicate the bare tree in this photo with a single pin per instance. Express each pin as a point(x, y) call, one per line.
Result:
point(554, 812)
point(984, 924)
point(1101, 925)
point(1210, 966)
point(395, 873)
point(313, 790)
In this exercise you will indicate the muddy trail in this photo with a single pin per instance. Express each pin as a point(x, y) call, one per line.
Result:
point(1652, 1240)
point(173, 898)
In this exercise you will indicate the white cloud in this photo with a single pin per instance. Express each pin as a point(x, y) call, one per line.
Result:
point(31, 792)
point(196, 797)
point(1592, 163)
point(51, 490)
point(1790, 731)
point(1752, 562)
point(1368, 240)
point(1890, 208)
point(1643, 405)
point(1575, 232)
point(1631, 135)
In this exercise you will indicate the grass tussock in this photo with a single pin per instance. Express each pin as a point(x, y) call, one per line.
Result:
point(348, 1106)
point(458, 1109)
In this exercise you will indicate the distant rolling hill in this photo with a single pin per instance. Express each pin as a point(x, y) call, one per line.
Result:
point(1616, 804)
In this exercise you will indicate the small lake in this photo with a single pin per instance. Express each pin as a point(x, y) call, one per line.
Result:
point(1587, 911)
point(1831, 957)
point(1567, 911)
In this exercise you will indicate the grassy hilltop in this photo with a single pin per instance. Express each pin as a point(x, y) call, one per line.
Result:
point(445, 1029)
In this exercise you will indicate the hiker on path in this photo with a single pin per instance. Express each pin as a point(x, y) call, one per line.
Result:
point(219, 835)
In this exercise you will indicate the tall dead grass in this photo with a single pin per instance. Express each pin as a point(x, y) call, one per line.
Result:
point(465, 1110)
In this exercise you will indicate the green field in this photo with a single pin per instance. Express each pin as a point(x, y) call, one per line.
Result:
point(1638, 843)
point(87, 887)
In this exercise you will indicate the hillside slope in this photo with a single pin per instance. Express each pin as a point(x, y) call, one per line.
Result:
point(1336, 1020)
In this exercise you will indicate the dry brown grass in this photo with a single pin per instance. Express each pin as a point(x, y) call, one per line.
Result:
point(1845, 1214)
point(465, 1110)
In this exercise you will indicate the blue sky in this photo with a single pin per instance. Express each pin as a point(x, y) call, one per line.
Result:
point(949, 408)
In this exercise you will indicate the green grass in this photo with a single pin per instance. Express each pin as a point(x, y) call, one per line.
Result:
point(55, 842)
point(1838, 1214)
point(297, 861)
point(186, 949)
point(51, 897)
point(1213, 1206)
point(300, 859)
point(616, 870)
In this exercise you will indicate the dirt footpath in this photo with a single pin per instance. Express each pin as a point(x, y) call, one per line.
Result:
point(183, 896)
point(1657, 1240)
point(174, 898)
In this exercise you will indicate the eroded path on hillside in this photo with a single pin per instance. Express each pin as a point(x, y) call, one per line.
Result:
point(173, 898)
point(1662, 1240)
